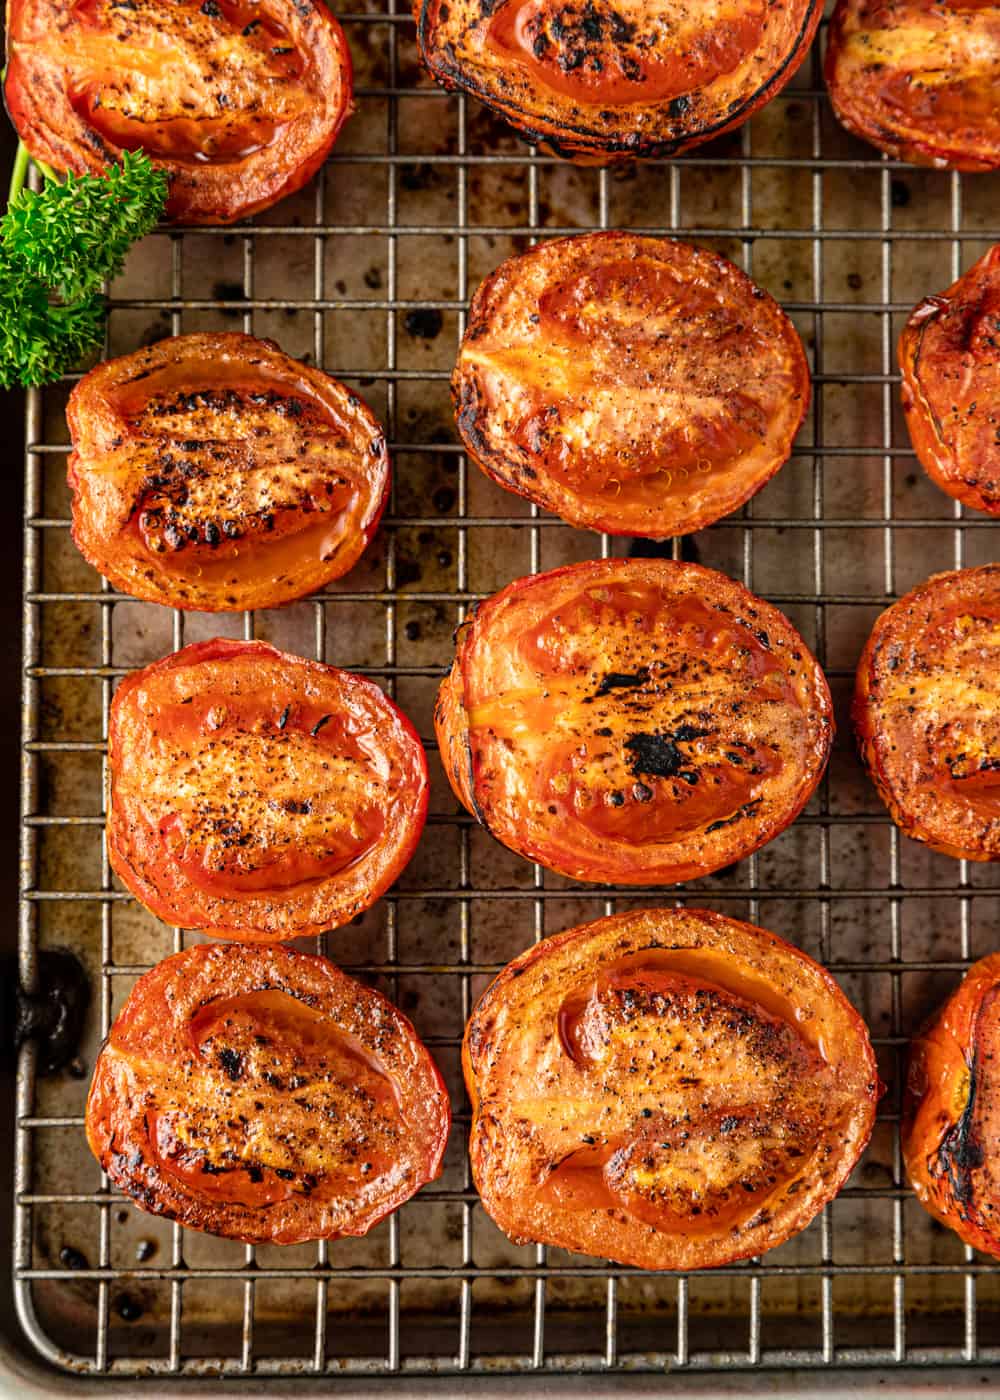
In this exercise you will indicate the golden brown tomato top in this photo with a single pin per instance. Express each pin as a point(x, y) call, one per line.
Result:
point(263, 1095)
point(629, 384)
point(666, 1088)
point(633, 720)
point(239, 101)
point(949, 353)
point(927, 712)
point(612, 79)
point(919, 78)
point(951, 1110)
point(213, 471)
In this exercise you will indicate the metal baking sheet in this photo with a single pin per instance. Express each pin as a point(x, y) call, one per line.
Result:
point(368, 272)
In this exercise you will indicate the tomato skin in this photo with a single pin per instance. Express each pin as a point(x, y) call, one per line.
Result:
point(925, 712)
point(919, 79)
point(572, 351)
point(238, 102)
point(598, 88)
point(214, 472)
point(258, 795)
point(633, 721)
point(951, 1110)
point(665, 1088)
point(263, 1095)
point(949, 354)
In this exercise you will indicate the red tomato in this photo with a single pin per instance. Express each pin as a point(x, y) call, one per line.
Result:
point(951, 1110)
point(949, 354)
point(628, 384)
point(919, 79)
point(239, 101)
point(213, 471)
point(263, 1095)
point(926, 713)
point(599, 84)
point(633, 720)
point(666, 1088)
point(257, 795)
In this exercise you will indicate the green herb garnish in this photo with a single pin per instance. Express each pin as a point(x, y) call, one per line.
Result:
point(57, 247)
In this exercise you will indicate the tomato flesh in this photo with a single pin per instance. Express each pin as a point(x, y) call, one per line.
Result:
point(628, 72)
point(665, 1088)
point(237, 100)
point(919, 79)
point(259, 795)
point(926, 716)
point(213, 471)
point(214, 130)
point(628, 384)
point(949, 354)
point(630, 721)
point(263, 1095)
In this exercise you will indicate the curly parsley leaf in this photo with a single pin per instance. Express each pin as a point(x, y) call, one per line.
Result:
point(56, 249)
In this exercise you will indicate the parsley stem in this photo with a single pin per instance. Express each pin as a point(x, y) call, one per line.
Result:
point(47, 170)
point(20, 171)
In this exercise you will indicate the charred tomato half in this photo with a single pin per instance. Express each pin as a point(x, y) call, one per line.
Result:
point(213, 471)
point(239, 101)
point(667, 1088)
point(602, 81)
point(918, 79)
point(257, 795)
point(951, 1110)
point(263, 1095)
point(927, 712)
point(633, 721)
point(949, 354)
point(633, 385)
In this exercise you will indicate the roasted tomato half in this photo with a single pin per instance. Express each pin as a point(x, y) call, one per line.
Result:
point(927, 712)
point(258, 795)
point(951, 1110)
point(215, 472)
point(667, 1088)
point(600, 81)
point(949, 354)
point(264, 1095)
point(633, 721)
point(919, 78)
point(629, 384)
point(239, 101)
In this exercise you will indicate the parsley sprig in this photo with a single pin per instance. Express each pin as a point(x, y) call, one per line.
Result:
point(56, 249)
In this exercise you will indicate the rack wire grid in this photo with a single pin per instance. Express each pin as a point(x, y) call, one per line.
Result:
point(367, 272)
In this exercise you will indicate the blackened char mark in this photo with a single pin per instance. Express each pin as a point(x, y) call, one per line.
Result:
point(960, 1152)
point(747, 810)
point(658, 755)
point(622, 680)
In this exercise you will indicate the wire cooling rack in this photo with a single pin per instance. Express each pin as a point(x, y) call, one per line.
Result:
point(368, 272)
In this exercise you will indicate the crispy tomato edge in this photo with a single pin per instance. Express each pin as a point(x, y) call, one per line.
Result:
point(939, 461)
point(872, 743)
point(473, 1054)
point(939, 1066)
point(147, 894)
point(156, 1206)
point(581, 144)
point(469, 405)
point(78, 407)
point(185, 202)
point(452, 731)
point(857, 118)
